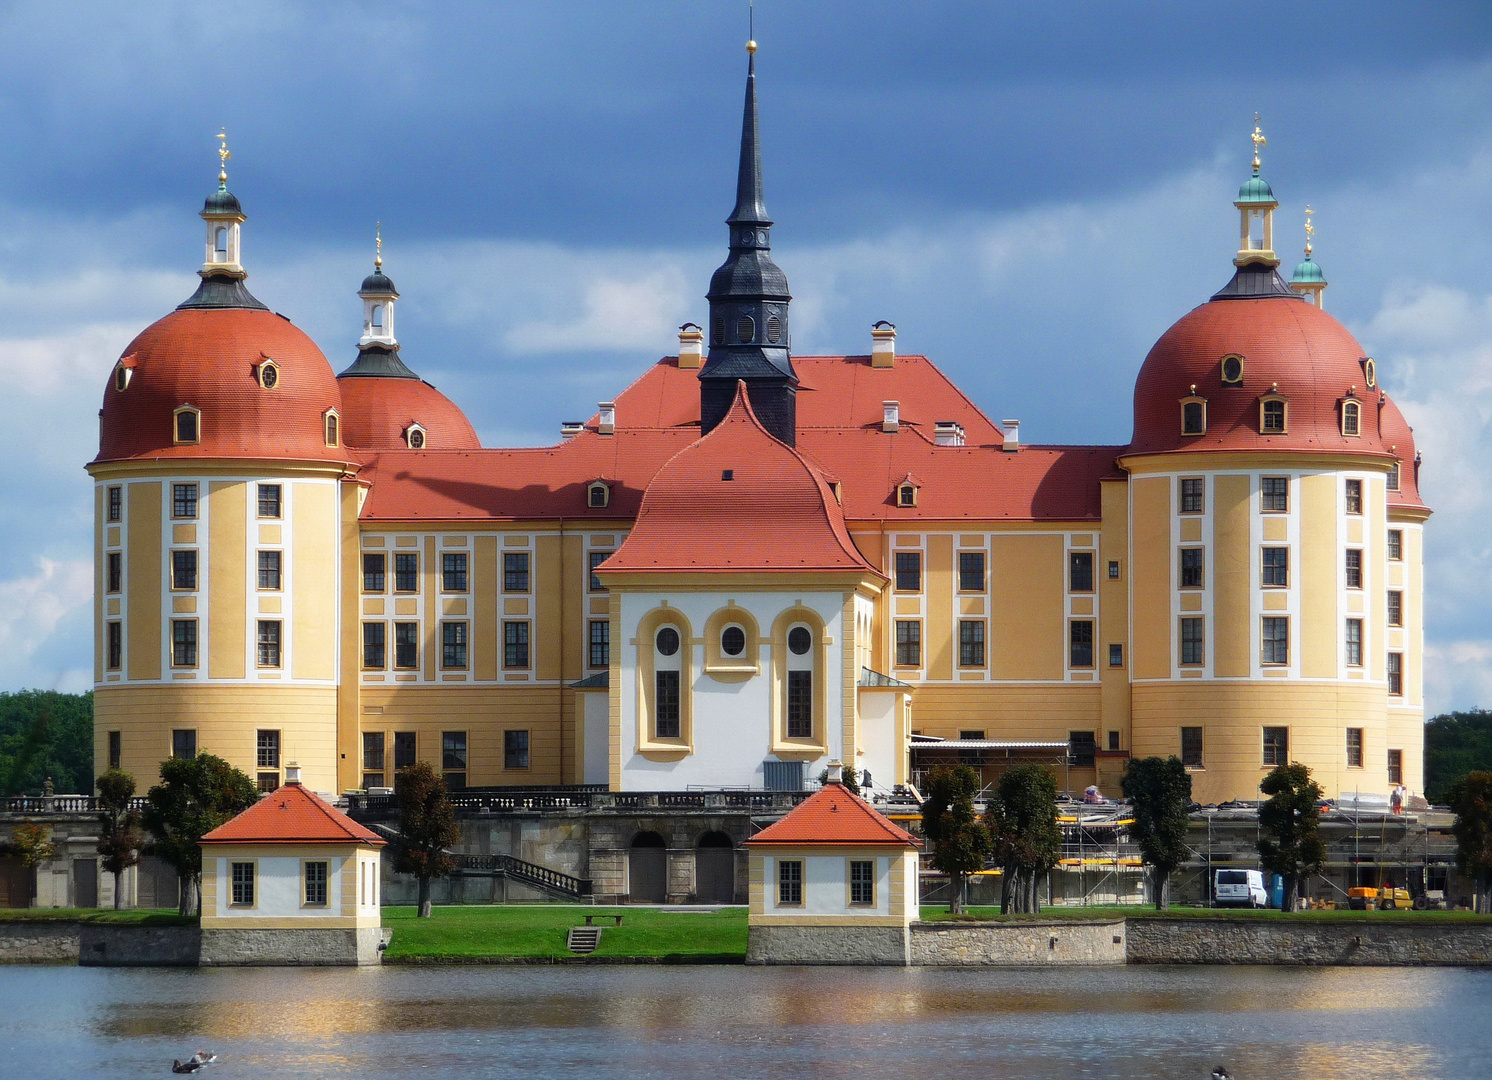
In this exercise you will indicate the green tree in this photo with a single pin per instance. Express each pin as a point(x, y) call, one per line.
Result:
point(427, 828)
point(1471, 799)
point(848, 778)
point(120, 838)
point(1456, 743)
point(1161, 791)
point(1291, 818)
point(961, 843)
point(45, 733)
point(194, 797)
point(1022, 820)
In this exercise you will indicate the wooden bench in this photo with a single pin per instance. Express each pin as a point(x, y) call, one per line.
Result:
point(617, 919)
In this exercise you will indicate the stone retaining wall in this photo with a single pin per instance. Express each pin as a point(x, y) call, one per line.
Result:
point(1019, 944)
point(1242, 941)
point(98, 944)
point(291, 948)
point(863, 945)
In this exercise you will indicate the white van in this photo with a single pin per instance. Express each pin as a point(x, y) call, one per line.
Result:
point(1240, 888)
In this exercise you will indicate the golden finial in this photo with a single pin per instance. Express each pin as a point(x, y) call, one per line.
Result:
point(378, 242)
point(1259, 140)
point(1310, 229)
point(223, 155)
point(751, 28)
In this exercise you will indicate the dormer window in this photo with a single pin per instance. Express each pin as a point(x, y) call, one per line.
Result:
point(1273, 415)
point(1232, 370)
point(122, 376)
point(1369, 372)
point(268, 374)
point(187, 425)
point(331, 427)
point(906, 493)
point(598, 495)
point(414, 437)
point(1394, 474)
point(1194, 414)
point(1351, 417)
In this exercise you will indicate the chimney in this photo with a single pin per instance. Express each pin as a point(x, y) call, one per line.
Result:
point(891, 418)
point(571, 428)
point(883, 345)
point(1012, 434)
point(948, 433)
point(292, 773)
point(608, 417)
point(836, 773)
point(691, 346)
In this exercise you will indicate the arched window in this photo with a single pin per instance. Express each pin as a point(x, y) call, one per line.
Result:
point(800, 685)
point(1351, 417)
point(1194, 416)
point(667, 689)
point(333, 427)
point(906, 494)
point(800, 695)
point(598, 495)
point(220, 243)
point(1272, 416)
point(188, 425)
point(378, 316)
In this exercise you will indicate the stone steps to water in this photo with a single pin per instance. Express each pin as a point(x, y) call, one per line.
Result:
point(583, 939)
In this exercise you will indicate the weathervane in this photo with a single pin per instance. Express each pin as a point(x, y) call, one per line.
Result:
point(223, 155)
point(1310, 229)
point(751, 27)
point(1259, 140)
point(378, 243)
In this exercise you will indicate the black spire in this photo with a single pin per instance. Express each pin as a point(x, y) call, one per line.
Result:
point(749, 303)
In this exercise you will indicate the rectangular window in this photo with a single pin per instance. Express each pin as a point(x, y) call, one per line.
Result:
point(1396, 674)
point(1274, 566)
point(1274, 417)
point(1354, 748)
point(405, 749)
point(515, 749)
point(269, 569)
point(515, 644)
point(1113, 740)
point(971, 643)
point(243, 884)
point(267, 750)
point(116, 749)
point(184, 743)
point(1080, 571)
point(267, 782)
point(116, 571)
point(183, 569)
point(1396, 544)
point(183, 642)
point(1191, 747)
point(1080, 643)
point(1113, 569)
point(375, 652)
point(453, 645)
point(971, 571)
point(1116, 656)
point(789, 882)
point(1354, 643)
point(908, 643)
point(1192, 641)
point(800, 704)
point(116, 503)
point(515, 571)
point(1394, 474)
point(453, 571)
point(316, 884)
point(1276, 746)
point(453, 750)
point(269, 643)
point(269, 500)
point(1276, 640)
point(373, 752)
point(909, 571)
point(1396, 767)
point(1082, 748)
point(1191, 495)
point(1274, 494)
point(406, 645)
point(116, 645)
point(406, 572)
point(600, 643)
point(1192, 568)
point(1354, 496)
point(862, 882)
point(1395, 608)
point(373, 572)
point(666, 705)
point(183, 500)
point(1354, 568)
point(596, 558)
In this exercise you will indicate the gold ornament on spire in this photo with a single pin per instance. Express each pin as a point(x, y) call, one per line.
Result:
point(751, 28)
point(378, 243)
point(1309, 229)
point(223, 155)
point(1259, 140)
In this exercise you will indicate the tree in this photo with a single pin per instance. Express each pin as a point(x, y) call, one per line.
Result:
point(1022, 820)
point(960, 841)
point(849, 778)
point(1456, 743)
point(1291, 817)
point(1161, 791)
point(194, 797)
point(427, 828)
point(120, 839)
point(45, 733)
point(1471, 799)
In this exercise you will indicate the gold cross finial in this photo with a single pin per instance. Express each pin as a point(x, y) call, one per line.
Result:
point(378, 241)
point(223, 155)
point(1310, 230)
point(1259, 140)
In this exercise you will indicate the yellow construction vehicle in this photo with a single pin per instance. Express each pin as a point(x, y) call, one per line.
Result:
point(1384, 899)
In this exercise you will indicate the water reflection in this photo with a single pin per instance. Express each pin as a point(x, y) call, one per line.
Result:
point(1119, 1024)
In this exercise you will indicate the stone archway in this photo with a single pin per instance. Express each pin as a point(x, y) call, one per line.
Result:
point(647, 869)
point(715, 869)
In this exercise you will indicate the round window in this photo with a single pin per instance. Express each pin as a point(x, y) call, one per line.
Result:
point(270, 376)
point(733, 641)
point(799, 640)
point(668, 641)
point(745, 329)
point(1232, 369)
point(416, 439)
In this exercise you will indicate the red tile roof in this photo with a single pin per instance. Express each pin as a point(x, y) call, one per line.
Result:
point(291, 814)
point(738, 499)
point(833, 817)
point(377, 411)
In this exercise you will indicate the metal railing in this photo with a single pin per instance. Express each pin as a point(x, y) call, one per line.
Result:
point(589, 797)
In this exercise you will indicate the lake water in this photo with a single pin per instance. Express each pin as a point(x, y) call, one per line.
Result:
point(739, 1023)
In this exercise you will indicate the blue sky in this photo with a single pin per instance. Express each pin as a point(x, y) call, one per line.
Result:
point(1032, 193)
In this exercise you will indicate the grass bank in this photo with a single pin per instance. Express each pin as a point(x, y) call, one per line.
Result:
point(126, 917)
point(538, 931)
point(1135, 911)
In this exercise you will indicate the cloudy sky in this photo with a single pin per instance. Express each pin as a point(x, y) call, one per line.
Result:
point(1032, 193)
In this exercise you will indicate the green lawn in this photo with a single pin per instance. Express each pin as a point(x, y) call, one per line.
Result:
point(1134, 911)
point(538, 930)
point(129, 916)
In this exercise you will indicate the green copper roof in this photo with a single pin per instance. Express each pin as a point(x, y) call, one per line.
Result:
point(1308, 273)
point(1256, 191)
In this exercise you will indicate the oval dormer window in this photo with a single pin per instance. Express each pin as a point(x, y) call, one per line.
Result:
point(1370, 372)
point(416, 438)
point(121, 378)
point(799, 640)
point(668, 641)
point(269, 375)
point(746, 329)
point(774, 329)
point(1232, 371)
point(733, 641)
point(717, 332)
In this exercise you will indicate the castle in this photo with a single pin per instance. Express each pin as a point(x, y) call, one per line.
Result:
point(750, 562)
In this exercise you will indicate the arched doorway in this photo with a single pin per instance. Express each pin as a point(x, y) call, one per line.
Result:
point(647, 869)
point(715, 869)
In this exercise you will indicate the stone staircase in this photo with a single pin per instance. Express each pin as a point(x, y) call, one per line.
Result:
point(583, 939)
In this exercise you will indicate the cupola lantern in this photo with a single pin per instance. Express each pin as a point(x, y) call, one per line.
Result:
point(378, 296)
point(1256, 206)
point(1308, 280)
point(224, 217)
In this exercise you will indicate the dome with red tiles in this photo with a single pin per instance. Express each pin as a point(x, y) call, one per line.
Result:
point(1398, 436)
point(381, 413)
point(1230, 355)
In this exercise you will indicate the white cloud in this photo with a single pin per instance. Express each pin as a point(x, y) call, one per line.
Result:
point(31, 608)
